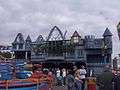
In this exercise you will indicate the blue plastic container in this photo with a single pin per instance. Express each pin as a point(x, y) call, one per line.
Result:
point(5, 76)
point(23, 74)
point(5, 71)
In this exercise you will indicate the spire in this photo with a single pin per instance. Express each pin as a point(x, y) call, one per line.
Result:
point(39, 39)
point(75, 34)
point(28, 39)
point(107, 33)
point(19, 38)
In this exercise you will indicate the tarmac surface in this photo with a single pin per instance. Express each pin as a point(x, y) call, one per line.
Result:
point(59, 88)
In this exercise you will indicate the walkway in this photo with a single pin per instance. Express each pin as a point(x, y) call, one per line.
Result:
point(60, 88)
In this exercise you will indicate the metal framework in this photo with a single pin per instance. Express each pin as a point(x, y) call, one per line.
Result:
point(58, 36)
point(19, 38)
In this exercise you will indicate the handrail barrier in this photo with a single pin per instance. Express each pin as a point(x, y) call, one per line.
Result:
point(45, 79)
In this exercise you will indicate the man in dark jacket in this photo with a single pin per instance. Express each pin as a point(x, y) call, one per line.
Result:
point(104, 80)
point(116, 81)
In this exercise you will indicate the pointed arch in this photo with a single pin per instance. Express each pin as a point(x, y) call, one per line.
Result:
point(60, 34)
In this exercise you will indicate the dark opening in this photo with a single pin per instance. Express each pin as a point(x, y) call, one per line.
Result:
point(20, 55)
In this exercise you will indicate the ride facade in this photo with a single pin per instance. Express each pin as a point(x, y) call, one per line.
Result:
point(58, 51)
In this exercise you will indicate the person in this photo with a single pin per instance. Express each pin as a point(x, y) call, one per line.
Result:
point(58, 72)
point(114, 86)
point(116, 81)
point(104, 80)
point(83, 73)
point(70, 80)
point(78, 81)
point(64, 75)
point(74, 69)
point(59, 77)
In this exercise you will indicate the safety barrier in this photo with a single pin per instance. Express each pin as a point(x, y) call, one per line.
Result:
point(19, 84)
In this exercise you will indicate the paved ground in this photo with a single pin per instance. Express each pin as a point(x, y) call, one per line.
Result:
point(60, 88)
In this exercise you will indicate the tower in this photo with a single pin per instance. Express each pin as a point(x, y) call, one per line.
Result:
point(107, 46)
point(107, 39)
point(75, 37)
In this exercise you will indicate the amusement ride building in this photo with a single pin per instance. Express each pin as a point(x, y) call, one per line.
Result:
point(57, 51)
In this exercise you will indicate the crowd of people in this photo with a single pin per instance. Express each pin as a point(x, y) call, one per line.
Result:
point(74, 78)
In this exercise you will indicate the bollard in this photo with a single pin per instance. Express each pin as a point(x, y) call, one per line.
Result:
point(91, 83)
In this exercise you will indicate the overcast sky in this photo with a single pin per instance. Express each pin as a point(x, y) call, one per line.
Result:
point(36, 17)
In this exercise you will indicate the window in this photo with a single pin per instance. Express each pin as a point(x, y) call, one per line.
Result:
point(80, 53)
point(14, 47)
point(21, 46)
point(75, 39)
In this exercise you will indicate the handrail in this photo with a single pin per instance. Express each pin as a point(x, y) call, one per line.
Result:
point(33, 80)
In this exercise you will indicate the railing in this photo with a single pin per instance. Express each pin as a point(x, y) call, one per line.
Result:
point(72, 56)
point(18, 84)
point(55, 57)
point(97, 64)
point(38, 56)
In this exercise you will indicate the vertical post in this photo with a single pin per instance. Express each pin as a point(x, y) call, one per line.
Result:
point(6, 84)
point(37, 84)
point(26, 55)
point(105, 54)
point(105, 59)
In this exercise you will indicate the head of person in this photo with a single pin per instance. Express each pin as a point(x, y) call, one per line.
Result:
point(63, 69)
point(118, 72)
point(82, 67)
point(70, 71)
point(74, 68)
point(114, 72)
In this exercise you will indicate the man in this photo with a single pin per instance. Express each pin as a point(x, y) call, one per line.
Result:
point(116, 81)
point(104, 80)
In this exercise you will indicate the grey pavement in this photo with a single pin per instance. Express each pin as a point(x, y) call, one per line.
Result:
point(59, 88)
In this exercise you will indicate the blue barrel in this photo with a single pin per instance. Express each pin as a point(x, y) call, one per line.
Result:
point(20, 65)
point(5, 66)
point(5, 71)
point(23, 74)
point(5, 76)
